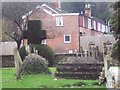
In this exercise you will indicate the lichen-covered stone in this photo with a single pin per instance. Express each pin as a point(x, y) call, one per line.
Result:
point(34, 64)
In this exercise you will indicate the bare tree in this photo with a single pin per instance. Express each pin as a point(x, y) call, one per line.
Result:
point(15, 17)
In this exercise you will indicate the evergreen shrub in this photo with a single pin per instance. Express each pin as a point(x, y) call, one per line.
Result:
point(34, 64)
point(43, 50)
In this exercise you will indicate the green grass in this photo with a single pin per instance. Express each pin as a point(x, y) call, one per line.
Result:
point(52, 69)
point(36, 81)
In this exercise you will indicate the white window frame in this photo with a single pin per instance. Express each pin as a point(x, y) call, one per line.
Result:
point(94, 25)
point(89, 23)
point(69, 36)
point(59, 20)
point(106, 29)
point(98, 24)
point(43, 41)
point(103, 28)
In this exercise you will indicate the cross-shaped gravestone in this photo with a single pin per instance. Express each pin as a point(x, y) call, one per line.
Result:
point(34, 34)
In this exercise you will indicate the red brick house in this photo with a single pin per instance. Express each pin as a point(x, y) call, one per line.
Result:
point(64, 29)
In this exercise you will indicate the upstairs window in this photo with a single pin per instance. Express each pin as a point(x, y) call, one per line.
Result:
point(89, 23)
point(59, 21)
point(67, 38)
point(103, 28)
point(106, 29)
point(43, 41)
point(94, 25)
point(98, 26)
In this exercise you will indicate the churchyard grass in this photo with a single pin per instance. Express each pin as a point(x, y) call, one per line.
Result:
point(52, 69)
point(42, 81)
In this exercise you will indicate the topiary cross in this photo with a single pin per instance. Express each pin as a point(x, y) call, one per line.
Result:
point(34, 34)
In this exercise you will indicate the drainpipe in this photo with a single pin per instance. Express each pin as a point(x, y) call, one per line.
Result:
point(79, 30)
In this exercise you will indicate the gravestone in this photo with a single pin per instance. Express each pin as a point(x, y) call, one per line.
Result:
point(18, 63)
point(34, 34)
point(90, 48)
point(106, 56)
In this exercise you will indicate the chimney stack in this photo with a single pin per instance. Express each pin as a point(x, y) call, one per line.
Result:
point(88, 10)
point(56, 3)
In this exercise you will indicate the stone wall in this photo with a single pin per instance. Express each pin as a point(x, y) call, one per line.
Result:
point(98, 40)
point(7, 61)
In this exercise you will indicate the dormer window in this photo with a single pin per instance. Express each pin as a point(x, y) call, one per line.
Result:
point(59, 21)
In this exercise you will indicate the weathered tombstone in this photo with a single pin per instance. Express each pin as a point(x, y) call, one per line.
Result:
point(34, 34)
point(113, 78)
point(36, 52)
point(106, 64)
point(93, 49)
point(27, 48)
point(89, 49)
point(76, 52)
point(18, 63)
point(81, 51)
point(97, 53)
point(85, 53)
point(106, 56)
point(105, 49)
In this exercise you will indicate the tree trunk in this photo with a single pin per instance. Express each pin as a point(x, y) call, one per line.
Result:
point(18, 44)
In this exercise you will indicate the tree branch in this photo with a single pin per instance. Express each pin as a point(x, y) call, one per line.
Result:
point(11, 36)
point(18, 25)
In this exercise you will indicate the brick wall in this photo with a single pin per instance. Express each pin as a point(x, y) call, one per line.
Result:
point(56, 33)
point(70, 26)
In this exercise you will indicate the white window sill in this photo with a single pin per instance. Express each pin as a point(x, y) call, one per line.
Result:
point(59, 25)
point(67, 42)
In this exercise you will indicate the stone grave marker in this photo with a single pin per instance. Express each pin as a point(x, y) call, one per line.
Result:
point(18, 63)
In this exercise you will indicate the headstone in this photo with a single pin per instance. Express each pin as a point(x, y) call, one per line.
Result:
point(37, 52)
point(81, 51)
point(34, 34)
point(106, 64)
point(34, 50)
point(97, 53)
point(105, 49)
point(113, 77)
point(93, 52)
point(18, 63)
point(90, 48)
point(107, 56)
point(85, 53)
